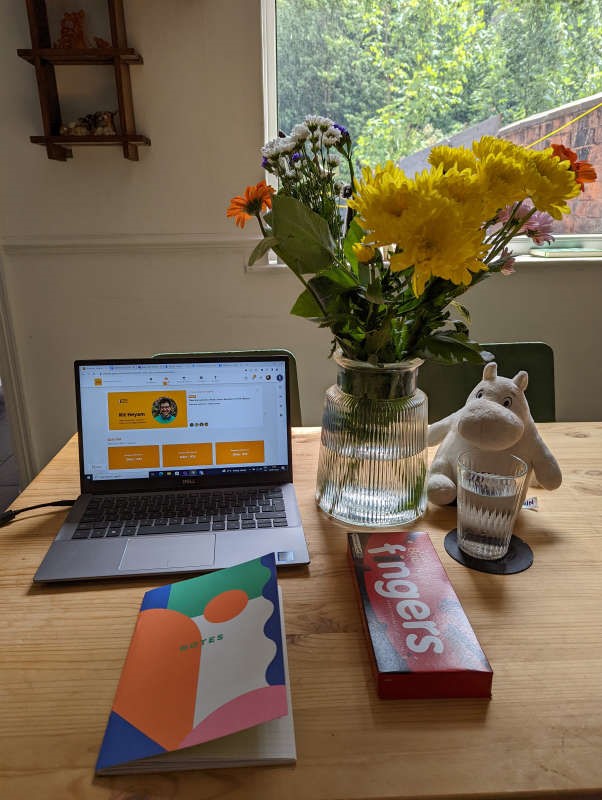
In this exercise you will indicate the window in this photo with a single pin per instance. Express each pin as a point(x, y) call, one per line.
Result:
point(404, 74)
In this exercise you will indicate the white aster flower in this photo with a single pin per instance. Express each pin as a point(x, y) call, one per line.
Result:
point(315, 122)
point(300, 133)
point(287, 146)
point(271, 149)
point(331, 136)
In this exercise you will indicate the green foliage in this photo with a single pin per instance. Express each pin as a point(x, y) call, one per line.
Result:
point(302, 238)
point(372, 312)
point(403, 74)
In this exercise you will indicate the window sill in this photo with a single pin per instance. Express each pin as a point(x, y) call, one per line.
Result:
point(521, 247)
point(530, 259)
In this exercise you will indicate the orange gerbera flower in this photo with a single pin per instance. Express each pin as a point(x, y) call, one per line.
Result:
point(255, 200)
point(584, 172)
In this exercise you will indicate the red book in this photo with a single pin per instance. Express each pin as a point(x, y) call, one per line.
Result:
point(421, 642)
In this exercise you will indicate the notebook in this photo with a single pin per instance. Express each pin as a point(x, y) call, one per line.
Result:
point(215, 644)
point(185, 466)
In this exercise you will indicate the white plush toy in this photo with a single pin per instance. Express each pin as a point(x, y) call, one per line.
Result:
point(496, 417)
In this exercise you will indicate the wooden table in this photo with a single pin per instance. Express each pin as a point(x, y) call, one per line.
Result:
point(62, 649)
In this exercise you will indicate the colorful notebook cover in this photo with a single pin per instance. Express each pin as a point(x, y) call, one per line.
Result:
point(421, 642)
point(206, 660)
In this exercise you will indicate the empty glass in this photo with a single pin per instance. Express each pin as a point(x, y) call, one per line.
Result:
point(490, 494)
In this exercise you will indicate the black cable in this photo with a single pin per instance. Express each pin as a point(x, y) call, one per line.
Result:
point(7, 516)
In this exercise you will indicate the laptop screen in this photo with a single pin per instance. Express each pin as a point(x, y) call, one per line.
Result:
point(178, 423)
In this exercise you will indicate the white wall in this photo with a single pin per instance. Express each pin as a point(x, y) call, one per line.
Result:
point(105, 257)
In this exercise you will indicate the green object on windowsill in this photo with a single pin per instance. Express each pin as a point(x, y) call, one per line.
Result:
point(565, 252)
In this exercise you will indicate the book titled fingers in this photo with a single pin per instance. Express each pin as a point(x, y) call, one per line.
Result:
point(421, 642)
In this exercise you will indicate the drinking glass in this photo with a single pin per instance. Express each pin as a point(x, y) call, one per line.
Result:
point(490, 495)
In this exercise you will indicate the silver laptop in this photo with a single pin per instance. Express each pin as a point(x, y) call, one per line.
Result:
point(185, 466)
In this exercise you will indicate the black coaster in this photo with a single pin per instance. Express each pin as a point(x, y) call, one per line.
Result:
point(518, 558)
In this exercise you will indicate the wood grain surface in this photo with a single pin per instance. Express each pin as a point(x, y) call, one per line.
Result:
point(62, 649)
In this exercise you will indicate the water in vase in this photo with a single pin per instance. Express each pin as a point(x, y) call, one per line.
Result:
point(372, 468)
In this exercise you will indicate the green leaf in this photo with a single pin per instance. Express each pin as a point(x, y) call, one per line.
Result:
point(462, 310)
point(305, 243)
point(354, 235)
point(374, 293)
point(453, 348)
point(307, 306)
point(364, 273)
point(267, 243)
point(376, 340)
point(328, 292)
point(341, 277)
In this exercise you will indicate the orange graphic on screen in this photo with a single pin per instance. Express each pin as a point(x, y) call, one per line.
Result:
point(239, 452)
point(144, 456)
point(187, 455)
point(137, 410)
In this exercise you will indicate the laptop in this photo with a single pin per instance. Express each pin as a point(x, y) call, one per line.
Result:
point(185, 466)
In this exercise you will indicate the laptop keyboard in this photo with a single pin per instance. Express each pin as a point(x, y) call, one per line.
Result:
point(182, 512)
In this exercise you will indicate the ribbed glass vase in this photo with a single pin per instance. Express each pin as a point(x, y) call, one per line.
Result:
point(373, 452)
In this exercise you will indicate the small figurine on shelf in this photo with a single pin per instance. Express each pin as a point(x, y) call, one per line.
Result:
point(82, 126)
point(104, 123)
point(72, 31)
point(100, 123)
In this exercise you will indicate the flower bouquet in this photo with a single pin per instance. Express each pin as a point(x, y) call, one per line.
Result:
point(383, 259)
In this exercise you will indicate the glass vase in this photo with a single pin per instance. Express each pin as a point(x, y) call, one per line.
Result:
point(373, 450)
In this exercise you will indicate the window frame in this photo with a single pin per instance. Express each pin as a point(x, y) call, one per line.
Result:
point(270, 77)
point(520, 245)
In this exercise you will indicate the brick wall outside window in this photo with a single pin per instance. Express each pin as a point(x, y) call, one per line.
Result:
point(585, 138)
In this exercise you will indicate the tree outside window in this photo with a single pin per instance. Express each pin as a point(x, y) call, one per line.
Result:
point(404, 74)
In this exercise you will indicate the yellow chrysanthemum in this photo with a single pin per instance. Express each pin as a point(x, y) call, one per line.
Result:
point(550, 182)
point(380, 199)
point(490, 146)
point(503, 181)
point(463, 187)
point(448, 157)
point(439, 240)
point(364, 252)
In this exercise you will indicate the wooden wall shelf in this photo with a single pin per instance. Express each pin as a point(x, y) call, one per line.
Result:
point(96, 55)
point(44, 58)
point(61, 145)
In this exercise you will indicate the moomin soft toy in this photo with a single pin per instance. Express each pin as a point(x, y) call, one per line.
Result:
point(496, 417)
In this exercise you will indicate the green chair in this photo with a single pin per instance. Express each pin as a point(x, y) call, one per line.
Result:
point(447, 387)
point(292, 372)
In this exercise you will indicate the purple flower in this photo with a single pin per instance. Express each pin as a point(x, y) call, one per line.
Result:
point(295, 157)
point(521, 212)
point(344, 131)
point(506, 262)
point(539, 227)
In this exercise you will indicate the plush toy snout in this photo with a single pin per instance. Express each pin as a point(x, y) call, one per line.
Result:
point(489, 425)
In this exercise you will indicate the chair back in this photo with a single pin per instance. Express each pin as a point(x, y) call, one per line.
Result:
point(292, 372)
point(447, 387)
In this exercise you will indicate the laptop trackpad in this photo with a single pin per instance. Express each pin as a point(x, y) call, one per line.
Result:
point(171, 552)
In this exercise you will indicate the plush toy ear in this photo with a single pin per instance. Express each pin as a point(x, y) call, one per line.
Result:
point(490, 371)
point(521, 379)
